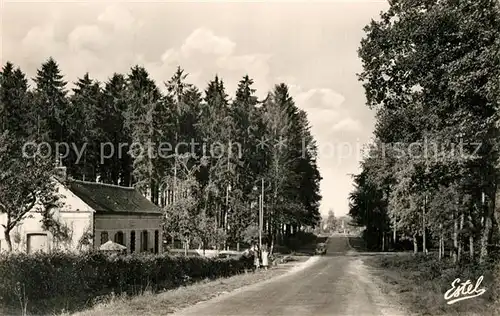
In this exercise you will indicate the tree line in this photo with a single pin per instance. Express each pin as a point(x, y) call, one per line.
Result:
point(431, 72)
point(210, 199)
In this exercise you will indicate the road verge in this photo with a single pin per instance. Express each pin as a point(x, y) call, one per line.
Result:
point(421, 282)
point(149, 304)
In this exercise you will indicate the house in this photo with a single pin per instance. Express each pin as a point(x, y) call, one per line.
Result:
point(90, 215)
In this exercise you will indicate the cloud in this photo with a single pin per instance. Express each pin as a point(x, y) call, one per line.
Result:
point(117, 16)
point(115, 39)
point(40, 39)
point(215, 54)
point(205, 41)
point(256, 63)
point(87, 37)
point(323, 107)
point(322, 116)
point(347, 124)
point(170, 56)
point(320, 98)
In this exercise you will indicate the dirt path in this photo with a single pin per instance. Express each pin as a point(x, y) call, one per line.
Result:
point(336, 284)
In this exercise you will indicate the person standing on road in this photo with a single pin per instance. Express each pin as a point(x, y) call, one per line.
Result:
point(265, 254)
point(256, 259)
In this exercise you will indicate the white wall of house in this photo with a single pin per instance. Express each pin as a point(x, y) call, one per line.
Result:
point(80, 218)
point(29, 235)
point(111, 224)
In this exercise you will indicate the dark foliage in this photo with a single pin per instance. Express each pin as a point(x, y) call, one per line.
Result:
point(69, 281)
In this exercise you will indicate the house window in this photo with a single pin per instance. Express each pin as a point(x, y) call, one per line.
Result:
point(144, 240)
point(157, 237)
point(119, 238)
point(37, 242)
point(132, 241)
point(104, 237)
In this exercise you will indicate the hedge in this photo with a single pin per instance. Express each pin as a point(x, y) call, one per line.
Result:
point(51, 279)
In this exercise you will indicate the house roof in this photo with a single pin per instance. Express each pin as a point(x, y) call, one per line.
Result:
point(109, 199)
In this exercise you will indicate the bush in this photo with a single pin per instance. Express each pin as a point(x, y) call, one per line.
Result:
point(52, 279)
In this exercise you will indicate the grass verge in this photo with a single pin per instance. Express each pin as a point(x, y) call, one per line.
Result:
point(149, 304)
point(419, 282)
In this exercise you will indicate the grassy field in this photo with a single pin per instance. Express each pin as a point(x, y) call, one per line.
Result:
point(420, 282)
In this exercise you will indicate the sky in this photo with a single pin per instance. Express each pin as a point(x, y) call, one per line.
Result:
point(310, 46)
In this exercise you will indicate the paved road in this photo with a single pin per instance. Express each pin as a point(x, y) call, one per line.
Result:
point(335, 284)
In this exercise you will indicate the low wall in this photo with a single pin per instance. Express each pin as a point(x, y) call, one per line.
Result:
point(209, 253)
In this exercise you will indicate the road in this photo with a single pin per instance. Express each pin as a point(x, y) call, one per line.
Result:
point(335, 284)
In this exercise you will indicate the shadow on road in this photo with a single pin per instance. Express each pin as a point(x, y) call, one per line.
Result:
point(310, 249)
point(358, 244)
point(351, 246)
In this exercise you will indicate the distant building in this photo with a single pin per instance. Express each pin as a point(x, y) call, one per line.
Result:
point(92, 213)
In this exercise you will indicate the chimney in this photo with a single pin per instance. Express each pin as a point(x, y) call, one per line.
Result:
point(61, 171)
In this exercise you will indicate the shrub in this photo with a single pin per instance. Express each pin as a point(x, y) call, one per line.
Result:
point(49, 279)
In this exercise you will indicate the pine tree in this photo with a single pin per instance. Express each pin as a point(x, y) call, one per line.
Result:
point(117, 169)
point(52, 105)
point(280, 172)
point(242, 146)
point(177, 88)
point(144, 97)
point(16, 111)
point(217, 167)
point(308, 170)
point(85, 102)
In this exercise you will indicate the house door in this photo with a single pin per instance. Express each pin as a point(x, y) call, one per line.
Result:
point(144, 239)
point(37, 242)
point(157, 237)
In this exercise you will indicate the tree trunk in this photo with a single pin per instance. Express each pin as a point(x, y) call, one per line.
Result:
point(440, 241)
point(7, 239)
point(471, 248)
point(442, 245)
point(459, 256)
point(226, 211)
point(484, 239)
point(496, 208)
point(471, 240)
point(84, 165)
point(216, 217)
point(174, 187)
point(424, 244)
point(271, 248)
point(455, 238)
point(415, 245)
point(394, 234)
point(383, 242)
point(486, 230)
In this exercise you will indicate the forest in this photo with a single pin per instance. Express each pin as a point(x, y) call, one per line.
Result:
point(210, 197)
point(430, 181)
